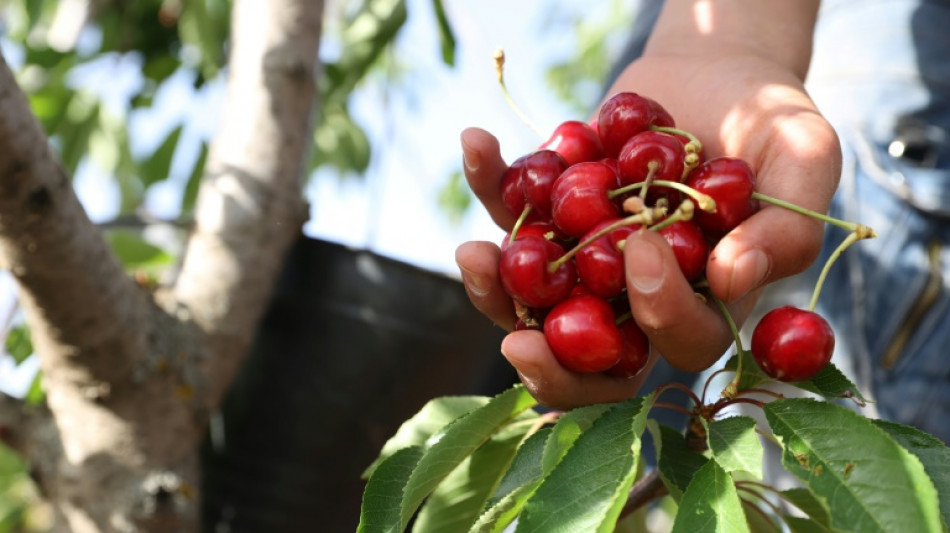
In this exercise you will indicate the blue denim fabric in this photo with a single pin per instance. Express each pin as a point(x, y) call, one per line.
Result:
point(881, 74)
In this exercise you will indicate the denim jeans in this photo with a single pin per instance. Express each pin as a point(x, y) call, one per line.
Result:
point(881, 74)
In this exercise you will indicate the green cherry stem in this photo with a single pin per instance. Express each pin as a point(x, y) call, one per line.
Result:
point(852, 238)
point(693, 146)
point(683, 212)
point(704, 201)
point(645, 217)
point(652, 167)
point(500, 74)
point(843, 224)
point(520, 222)
point(732, 389)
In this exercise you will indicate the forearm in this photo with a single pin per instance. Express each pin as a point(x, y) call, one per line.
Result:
point(779, 31)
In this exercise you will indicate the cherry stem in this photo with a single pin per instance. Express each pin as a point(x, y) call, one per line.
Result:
point(704, 201)
point(683, 212)
point(623, 318)
point(520, 222)
point(645, 217)
point(766, 392)
point(733, 387)
point(500, 74)
point(693, 146)
point(852, 238)
point(652, 167)
point(709, 381)
point(843, 224)
point(672, 407)
point(732, 401)
point(680, 387)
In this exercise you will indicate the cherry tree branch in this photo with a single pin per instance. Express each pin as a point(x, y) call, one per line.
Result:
point(250, 206)
point(86, 315)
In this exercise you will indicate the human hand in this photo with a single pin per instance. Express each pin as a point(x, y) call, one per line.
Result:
point(740, 105)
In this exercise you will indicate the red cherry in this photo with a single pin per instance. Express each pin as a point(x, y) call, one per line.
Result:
point(663, 117)
point(730, 182)
point(689, 246)
point(576, 142)
point(525, 276)
point(600, 264)
point(512, 190)
point(653, 148)
point(792, 344)
point(582, 334)
point(539, 228)
point(540, 170)
point(661, 149)
point(636, 351)
point(579, 198)
point(622, 116)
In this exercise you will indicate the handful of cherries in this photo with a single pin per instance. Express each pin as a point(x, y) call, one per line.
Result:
point(590, 186)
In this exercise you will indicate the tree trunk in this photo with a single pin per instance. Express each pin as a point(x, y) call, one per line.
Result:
point(131, 375)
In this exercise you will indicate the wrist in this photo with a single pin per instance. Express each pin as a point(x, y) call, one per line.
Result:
point(776, 31)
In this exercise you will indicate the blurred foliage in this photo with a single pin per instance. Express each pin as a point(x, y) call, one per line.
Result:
point(455, 197)
point(579, 78)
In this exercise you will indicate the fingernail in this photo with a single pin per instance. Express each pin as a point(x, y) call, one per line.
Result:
point(748, 272)
point(470, 159)
point(525, 364)
point(645, 268)
point(478, 284)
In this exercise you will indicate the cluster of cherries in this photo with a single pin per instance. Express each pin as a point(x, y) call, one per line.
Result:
point(583, 192)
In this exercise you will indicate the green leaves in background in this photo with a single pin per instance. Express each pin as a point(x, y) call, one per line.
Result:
point(735, 445)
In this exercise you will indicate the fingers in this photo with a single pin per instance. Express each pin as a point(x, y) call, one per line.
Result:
point(478, 264)
point(554, 386)
point(801, 163)
point(689, 332)
point(484, 167)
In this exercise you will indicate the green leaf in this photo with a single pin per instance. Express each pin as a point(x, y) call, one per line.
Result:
point(433, 416)
point(735, 445)
point(871, 483)
point(588, 487)
point(932, 453)
point(19, 343)
point(455, 197)
point(460, 498)
point(446, 35)
point(757, 520)
point(815, 507)
point(752, 375)
point(676, 462)
point(36, 394)
point(134, 252)
point(568, 428)
point(366, 34)
point(832, 383)
point(518, 484)
point(447, 448)
point(340, 142)
point(525, 476)
point(710, 504)
point(382, 499)
point(190, 194)
point(157, 167)
point(798, 524)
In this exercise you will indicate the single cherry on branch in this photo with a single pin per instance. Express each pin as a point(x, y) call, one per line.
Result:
point(792, 344)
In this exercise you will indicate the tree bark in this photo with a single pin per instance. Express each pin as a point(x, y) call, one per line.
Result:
point(131, 375)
